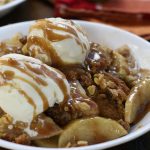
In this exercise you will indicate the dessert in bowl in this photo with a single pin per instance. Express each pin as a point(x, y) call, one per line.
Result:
point(66, 87)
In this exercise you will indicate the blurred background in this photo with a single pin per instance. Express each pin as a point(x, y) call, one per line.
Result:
point(131, 15)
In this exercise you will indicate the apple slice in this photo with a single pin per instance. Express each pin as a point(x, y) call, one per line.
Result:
point(45, 127)
point(91, 130)
point(138, 98)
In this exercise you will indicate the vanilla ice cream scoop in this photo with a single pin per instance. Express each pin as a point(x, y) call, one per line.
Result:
point(28, 87)
point(57, 41)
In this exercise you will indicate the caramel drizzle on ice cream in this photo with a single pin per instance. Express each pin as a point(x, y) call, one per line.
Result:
point(58, 80)
point(28, 98)
point(45, 46)
point(16, 65)
point(41, 94)
point(33, 71)
point(50, 27)
point(51, 33)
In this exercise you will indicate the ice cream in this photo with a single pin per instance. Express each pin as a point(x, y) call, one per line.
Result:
point(57, 41)
point(28, 87)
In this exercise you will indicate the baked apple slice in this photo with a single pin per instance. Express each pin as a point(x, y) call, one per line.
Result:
point(91, 130)
point(137, 100)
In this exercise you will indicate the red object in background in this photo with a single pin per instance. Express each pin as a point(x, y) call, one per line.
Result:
point(72, 8)
point(61, 5)
point(123, 6)
point(77, 4)
point(132, 15)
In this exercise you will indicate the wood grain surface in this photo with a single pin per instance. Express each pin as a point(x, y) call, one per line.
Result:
point(36, 9)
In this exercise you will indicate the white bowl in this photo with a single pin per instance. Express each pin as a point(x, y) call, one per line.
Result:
point(4, 9)
point(113, 38)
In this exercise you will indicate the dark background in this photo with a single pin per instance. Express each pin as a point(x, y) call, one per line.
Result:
point(36, 9)
point(29, 10)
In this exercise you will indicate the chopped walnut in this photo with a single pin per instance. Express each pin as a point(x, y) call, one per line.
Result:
point(82, 143)
point(22, 139)
point(124, 65)
point(77, 144)
point(91, 89)
point(13, 45)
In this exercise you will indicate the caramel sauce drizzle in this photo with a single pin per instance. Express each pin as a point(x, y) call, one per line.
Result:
point(79, 29)
point(78, 96)
point(41, 94)
point(45, 46)
point(48, 28)
point(48, 49)
point(38, 71)
point(34, 69)
point(45, 127)
point(28, 98)
point(58, 80)
point(17, 65)
point(42, 70)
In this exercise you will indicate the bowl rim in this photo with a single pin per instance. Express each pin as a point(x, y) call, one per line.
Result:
point(129, 137)
point(11, 4)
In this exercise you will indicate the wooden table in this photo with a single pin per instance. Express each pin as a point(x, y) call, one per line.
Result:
point(36, 9)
